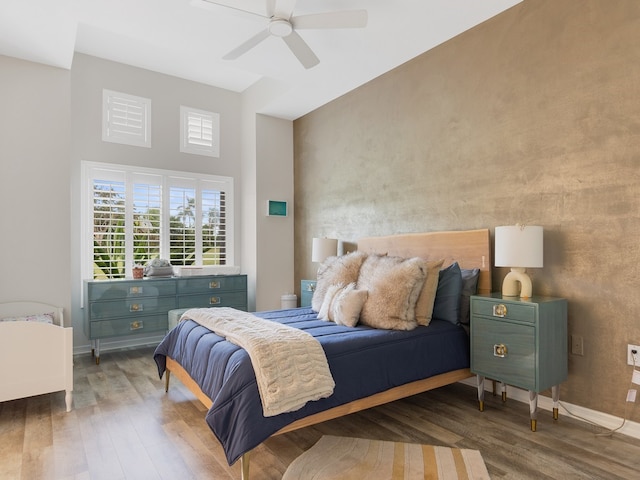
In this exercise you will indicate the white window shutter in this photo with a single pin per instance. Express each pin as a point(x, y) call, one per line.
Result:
point(126, 119)
point(199, 132)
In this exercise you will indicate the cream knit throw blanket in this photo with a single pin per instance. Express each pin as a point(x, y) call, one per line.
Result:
point(290, 365)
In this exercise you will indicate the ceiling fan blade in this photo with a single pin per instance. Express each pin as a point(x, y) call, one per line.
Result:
point(248, 45)
point(284, 8)
point(301, 50)
point(344, 19)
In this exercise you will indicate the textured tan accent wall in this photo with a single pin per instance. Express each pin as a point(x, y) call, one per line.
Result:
point(531, 117)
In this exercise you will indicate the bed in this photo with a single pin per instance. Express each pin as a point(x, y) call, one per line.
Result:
point(370, 366)
point(38, 347)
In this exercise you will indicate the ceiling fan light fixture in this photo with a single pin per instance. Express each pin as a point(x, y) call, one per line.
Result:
point(280, 27)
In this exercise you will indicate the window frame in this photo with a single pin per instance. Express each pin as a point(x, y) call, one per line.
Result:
point(194, 148)
point(168, 178)
point(141, 138)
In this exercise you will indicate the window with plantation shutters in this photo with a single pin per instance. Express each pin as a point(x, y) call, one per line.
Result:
point(134, 215)
point(126, 119)
point(199, 132)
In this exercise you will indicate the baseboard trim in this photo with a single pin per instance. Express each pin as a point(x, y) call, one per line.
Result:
point(605, 420)
point(106, 346)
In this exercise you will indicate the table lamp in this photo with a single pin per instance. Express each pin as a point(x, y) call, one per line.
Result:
point(321, 248)
point(518, 247)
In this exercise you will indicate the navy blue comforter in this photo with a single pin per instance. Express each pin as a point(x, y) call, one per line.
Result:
point(363, 361)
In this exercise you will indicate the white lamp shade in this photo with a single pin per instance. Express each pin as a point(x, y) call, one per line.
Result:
point(323, 248)
point(519, 246)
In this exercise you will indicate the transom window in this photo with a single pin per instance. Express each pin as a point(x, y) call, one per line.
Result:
point(133, 215)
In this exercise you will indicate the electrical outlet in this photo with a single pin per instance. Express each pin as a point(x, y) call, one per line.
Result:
point(630, 354)
point(577, 345)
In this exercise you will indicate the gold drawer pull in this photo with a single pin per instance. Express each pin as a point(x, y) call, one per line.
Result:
point(214, 284)
point(136, 325)
point(500, 310)
point(214, 300)
point(136, 307)
point(135, 290)
point(500, 350)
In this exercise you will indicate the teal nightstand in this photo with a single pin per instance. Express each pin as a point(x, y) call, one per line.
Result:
point(307, 287)
point(520, 342)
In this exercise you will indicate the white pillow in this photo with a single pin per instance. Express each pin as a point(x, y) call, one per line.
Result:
point(336, 270)
point(347, 305)
point(325, 309)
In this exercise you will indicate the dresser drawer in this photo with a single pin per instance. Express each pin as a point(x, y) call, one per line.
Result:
point(520, 312)
point(212, 284)
point(214, 299)
point(505, 351)
point(124, 290)
point(129, 326)
point(131, 307)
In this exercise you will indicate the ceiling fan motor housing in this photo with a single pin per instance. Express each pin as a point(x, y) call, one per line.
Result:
point(280, 27)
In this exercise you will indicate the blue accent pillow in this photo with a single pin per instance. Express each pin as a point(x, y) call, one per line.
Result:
point(469, 287)
point(447, 302)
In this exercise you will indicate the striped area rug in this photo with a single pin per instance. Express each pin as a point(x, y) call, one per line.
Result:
point(354, 458)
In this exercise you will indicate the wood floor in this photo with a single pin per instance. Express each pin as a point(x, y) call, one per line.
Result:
point(124, 426)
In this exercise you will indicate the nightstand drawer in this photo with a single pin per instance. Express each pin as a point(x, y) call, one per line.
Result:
point(520, 312)
point(504, 350)
point(129, 326)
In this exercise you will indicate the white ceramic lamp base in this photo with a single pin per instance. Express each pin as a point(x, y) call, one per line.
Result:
point(517, 283)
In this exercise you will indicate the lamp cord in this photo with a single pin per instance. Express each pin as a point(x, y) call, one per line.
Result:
point(609, 431)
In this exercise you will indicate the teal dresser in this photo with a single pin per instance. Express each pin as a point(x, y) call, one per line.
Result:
point(520, 342)
point(307, 287)
point(119, 308)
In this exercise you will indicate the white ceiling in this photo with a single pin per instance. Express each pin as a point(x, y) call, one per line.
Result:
point(187, 39)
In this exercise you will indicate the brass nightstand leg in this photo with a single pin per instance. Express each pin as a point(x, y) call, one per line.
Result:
point(533, 409)
point(166, 381)
point(555, 395)
point(503, 387)
point(481, 405)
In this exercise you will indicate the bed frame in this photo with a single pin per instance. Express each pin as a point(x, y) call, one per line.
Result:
point(40, 354)
point(470, 248)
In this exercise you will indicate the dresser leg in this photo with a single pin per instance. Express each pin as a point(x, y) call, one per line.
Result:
point(166, 380)
point(503, 388)
point(97, 352)
point(555, 395)
point(480, 386)
point(533, 409)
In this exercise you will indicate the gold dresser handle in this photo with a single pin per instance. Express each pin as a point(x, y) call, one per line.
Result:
point(500, 350)
point(214, 300)
point(135, 290)
point(500, 310)
point(136, 307)
point(136, 325)
point(214, 284)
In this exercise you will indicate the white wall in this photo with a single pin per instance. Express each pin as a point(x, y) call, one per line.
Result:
point(52, 121)
point(34, 183)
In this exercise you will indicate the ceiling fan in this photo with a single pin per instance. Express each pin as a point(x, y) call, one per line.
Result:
point(282, 23)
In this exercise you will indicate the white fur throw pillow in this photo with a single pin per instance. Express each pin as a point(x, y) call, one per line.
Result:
point(347, 305)
point(394, 284)
point(427, 297)
point(325, 309)
point(336, 270)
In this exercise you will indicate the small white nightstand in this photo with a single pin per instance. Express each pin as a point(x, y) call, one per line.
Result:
point(520, 342)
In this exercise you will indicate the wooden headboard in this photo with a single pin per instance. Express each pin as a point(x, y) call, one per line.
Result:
point(470, 248)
